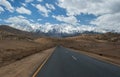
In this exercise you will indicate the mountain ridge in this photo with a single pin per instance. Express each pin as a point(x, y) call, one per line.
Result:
point(8, 32)
point(54, 32)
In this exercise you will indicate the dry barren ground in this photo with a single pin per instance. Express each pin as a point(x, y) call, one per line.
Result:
point(14, 54)
point(25, 67)
point(14, 50)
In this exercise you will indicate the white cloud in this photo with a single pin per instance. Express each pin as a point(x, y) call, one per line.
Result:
point(24, 4)
point(15, 19)
point(107, 12)
point(23, 10)
point(22, 23)
point(19, 22)
point(39, 19)
point(28, 1)
point(96, 7)
point(7, 5)
point(39, 0)
point(109, 22)
point(31, 20)
point(12, 0)
point(50, 6)
point(42, 9)
point(69, 19)
point(1, 9)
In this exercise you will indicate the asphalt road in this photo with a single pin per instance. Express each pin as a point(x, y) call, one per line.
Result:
point(66, 63)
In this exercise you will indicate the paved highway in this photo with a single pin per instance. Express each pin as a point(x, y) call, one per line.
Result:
point(66, 63)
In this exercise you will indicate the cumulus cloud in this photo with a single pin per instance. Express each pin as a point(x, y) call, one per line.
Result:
point(19, 22)
point(23, 10)
point(1, 9)
point(96, 7)
point(22, 23)
point(7, 5)
point(39, 19)
point(50, 6)
point(109, 22)
point(39, 0)
point(12, 0)
point(24, 4)
point(69, 19)
point(28, 1)
point(107, 12)
point(42, 9)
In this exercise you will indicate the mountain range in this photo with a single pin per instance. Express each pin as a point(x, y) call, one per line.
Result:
point(51, 31)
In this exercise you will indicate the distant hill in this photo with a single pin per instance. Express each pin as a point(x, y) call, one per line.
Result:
point(109, 37)
point(7, 32)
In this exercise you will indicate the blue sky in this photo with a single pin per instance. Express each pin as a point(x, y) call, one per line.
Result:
point(35, 14)
point(78, 14)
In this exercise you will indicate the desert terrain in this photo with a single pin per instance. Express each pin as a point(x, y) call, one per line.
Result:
point(18, 46)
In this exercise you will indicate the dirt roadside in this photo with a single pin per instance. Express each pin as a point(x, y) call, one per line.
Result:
point(25, 67)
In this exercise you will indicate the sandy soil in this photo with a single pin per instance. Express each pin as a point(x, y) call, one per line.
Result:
point(25, 67)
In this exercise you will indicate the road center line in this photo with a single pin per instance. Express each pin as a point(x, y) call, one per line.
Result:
point(74, 58)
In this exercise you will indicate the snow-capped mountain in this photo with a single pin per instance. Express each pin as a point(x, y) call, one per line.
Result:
point(56, 30)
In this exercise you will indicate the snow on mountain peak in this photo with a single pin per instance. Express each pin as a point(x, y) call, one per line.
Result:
point(56, 28)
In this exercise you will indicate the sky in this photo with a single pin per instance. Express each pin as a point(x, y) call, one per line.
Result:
point(63, 15)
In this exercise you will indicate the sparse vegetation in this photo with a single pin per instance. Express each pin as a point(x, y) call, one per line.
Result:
point(111, 37)
point(14, 46)
point(13, 50)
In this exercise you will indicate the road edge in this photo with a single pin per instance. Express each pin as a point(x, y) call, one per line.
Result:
point(42, 64)
point(104, 59)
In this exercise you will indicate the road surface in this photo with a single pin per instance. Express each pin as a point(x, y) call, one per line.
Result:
point(66, 63)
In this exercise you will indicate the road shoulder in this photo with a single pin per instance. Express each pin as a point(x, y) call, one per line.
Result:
point(26, 66)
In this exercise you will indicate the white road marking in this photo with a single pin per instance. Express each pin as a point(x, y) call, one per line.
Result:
point(74, 58)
